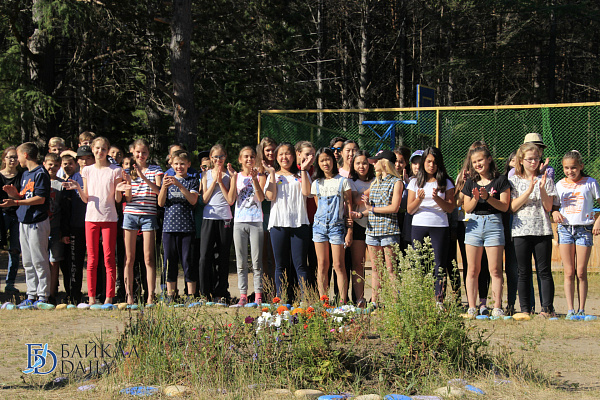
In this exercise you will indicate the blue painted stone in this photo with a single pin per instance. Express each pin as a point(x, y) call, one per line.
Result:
point(140, 391)
point(96, 307)
point(178, 305)
point(71, 306)
point(508, 317)
point(332, 397)
point(578, 318)
point(151, 305)
point(396, 397)
point(553, 319)
point(289, 306)
point(109, 307)
point(474, 389)
point(250, 305)
point(132, 306)
point(10, 306)
point(482, 317)
point(210, 303)
point(265, 305)
point(30, 307)
point(591, 318)
point(195, 304)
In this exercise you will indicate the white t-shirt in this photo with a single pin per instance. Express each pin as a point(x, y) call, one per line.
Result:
point(331, 187)
point(247, 206)
point(576, 200)
point(429, 213)
point(360, 187)
point(289, 207)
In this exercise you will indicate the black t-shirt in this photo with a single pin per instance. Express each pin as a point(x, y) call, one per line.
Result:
point(16, 181)
point(494, 188)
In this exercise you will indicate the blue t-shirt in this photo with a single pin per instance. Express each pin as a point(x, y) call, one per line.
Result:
point(78, 207)
point(179, 213)
point(34, 183)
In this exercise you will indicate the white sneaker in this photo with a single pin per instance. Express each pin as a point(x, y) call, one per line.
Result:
point(498, 312)
point(471, 313)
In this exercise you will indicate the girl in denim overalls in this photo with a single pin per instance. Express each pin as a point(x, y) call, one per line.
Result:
point(333, 195)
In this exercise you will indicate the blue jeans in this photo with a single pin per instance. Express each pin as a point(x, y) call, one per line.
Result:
point(11, 224)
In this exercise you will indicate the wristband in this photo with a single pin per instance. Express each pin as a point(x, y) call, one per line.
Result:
point(362, 215)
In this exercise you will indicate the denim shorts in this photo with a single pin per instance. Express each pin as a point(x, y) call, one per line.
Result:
point(580, 235)
point(144, 223)
point(484, 230)
point(382, 241)
point(334, 234)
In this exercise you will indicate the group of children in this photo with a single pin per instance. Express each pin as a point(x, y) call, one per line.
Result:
point(300, 210)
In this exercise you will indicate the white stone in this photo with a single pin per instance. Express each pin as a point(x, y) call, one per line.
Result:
point(368, 397)
point(175, 390)
point(308, 394)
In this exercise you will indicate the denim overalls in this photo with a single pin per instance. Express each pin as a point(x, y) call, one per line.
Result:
point(328, 226)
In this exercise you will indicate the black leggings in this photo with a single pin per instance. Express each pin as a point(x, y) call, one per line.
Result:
point(213, 274)
point(541, 248)
point(439, 242)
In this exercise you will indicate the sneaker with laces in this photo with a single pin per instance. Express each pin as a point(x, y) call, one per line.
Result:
point(243, 301)
point(570, 314)
point(497, 312)
point(581, 313)
point(471, 313)
point(25, 303)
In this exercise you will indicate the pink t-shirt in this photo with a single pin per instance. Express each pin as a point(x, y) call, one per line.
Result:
point(101, 185)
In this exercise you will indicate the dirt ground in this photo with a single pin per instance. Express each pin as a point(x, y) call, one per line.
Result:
point(567, 351)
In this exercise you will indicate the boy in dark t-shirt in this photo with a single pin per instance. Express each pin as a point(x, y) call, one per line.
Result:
point(34, 224)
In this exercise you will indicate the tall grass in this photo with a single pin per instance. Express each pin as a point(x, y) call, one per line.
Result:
point(404, 345)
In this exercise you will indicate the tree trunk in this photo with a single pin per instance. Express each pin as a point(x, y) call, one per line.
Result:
point(185, 114)
point(364, 67)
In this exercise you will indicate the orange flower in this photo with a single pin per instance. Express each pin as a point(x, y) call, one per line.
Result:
point(298, 311)
point(265, 309)
point(276, 300)
point(310, 310)
point(281, 309)
point(325, 298)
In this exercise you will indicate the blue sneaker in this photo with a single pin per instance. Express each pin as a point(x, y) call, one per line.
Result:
point(25, 303)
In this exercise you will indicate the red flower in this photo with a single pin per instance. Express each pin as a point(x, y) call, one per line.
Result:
point(325, 298)
point(276, 300)
point(310, 310)
point(305, 326)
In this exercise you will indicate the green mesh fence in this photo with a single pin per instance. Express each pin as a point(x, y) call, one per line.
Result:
point(563, 127)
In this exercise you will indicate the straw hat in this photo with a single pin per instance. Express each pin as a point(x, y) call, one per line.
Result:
point(536, 139)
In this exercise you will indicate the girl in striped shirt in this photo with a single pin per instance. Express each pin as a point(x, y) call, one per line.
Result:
point(140, 214)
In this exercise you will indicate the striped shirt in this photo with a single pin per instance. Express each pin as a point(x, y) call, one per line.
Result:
point(144, 201)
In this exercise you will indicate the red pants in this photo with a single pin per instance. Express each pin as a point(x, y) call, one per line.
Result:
point(109, 241)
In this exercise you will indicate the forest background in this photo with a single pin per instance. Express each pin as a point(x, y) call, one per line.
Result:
point(198, 72)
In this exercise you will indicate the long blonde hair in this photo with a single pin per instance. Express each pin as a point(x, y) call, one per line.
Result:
point(388, 167)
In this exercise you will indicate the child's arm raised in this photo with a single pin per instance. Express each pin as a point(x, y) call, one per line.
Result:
point(304, 174)
point(258, 187)
point(232, 195)
point(191, 197)
point(447, 203)
point(154, 186)
point(164, 189)
point(74, 185)
point(271, 184)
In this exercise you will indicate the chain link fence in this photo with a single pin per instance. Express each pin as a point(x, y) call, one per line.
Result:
point(564, 127)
